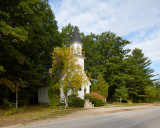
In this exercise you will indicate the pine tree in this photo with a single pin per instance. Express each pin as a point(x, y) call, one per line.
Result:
point(140, 73)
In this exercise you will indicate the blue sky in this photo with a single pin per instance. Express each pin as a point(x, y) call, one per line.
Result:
point(135, 20)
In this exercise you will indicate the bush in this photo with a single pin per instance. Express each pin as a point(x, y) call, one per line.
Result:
point(97, 102)
point(94, 95)
point(74, 101)
point(95, 98)
point(7, 104)
point(54, 96)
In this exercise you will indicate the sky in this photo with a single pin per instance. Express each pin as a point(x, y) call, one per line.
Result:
point(135, 20)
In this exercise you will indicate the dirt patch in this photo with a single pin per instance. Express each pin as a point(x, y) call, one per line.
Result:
point(85, 113)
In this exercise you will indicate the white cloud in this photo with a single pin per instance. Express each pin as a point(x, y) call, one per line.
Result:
point(121, 17)
point(150, 47)
point(136, 20)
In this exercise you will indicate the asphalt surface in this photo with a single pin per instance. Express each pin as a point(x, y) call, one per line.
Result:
point(143, 118)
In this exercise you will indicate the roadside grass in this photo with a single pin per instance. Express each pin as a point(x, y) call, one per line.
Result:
point(27, 114)
point(118, 104)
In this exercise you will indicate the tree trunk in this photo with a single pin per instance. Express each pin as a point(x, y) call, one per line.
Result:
point(16, 96)
point(66, 101)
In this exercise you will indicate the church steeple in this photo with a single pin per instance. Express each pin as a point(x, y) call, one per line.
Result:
point(75, 36)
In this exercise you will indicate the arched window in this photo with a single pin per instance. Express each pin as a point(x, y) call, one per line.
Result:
point(72, 49)
point(78, 50)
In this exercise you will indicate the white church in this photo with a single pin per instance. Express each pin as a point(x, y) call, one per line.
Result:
point(76, 46)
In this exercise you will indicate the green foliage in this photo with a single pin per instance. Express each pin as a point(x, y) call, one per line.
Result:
point(7, 104)
point(28, 32)
point(122, 93)
point(66, 34)
point(97, 102)
point(151, 93)
point(101, 86)
point(139, 75)
point(54, 92)
point(74, 101)
point(157, 85)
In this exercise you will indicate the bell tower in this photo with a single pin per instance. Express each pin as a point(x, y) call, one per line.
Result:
point(76, 47)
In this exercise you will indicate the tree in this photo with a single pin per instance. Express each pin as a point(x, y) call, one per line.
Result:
point(140, 74)
point(101, 86)
point(105, 54)
point(28, 32)
point(157, 85)
point(151, 93)
point(66, 34)
point(69, 72)
point(121, 94)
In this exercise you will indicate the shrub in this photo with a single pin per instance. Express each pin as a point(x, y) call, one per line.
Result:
point(54, 94)
point(94, 95)
point(87, 96)
point(74, 101)
point(95, 98)
point(7, 104)
point(97, 102)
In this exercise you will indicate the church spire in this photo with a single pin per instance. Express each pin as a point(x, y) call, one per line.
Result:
point(75, 36)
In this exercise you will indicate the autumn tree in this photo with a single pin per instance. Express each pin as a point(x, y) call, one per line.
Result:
point(69, 72)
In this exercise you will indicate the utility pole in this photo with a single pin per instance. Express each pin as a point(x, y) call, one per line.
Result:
point(16, 96)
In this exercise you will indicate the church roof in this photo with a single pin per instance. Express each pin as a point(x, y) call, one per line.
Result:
point(75, 36)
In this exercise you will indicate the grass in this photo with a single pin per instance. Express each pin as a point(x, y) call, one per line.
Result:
point(117, 104)
point(31, 113)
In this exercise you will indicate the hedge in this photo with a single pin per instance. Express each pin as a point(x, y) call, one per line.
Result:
point(74, 101)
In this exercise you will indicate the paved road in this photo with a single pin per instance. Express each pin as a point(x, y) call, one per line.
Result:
point(143, 118)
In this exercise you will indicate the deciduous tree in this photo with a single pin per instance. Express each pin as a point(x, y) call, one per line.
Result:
point(65, 66)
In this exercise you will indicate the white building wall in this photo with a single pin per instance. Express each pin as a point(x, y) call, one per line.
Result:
point(43, 95)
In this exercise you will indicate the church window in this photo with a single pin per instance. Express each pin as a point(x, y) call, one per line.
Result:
point(72, 49)
point(78, 50)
